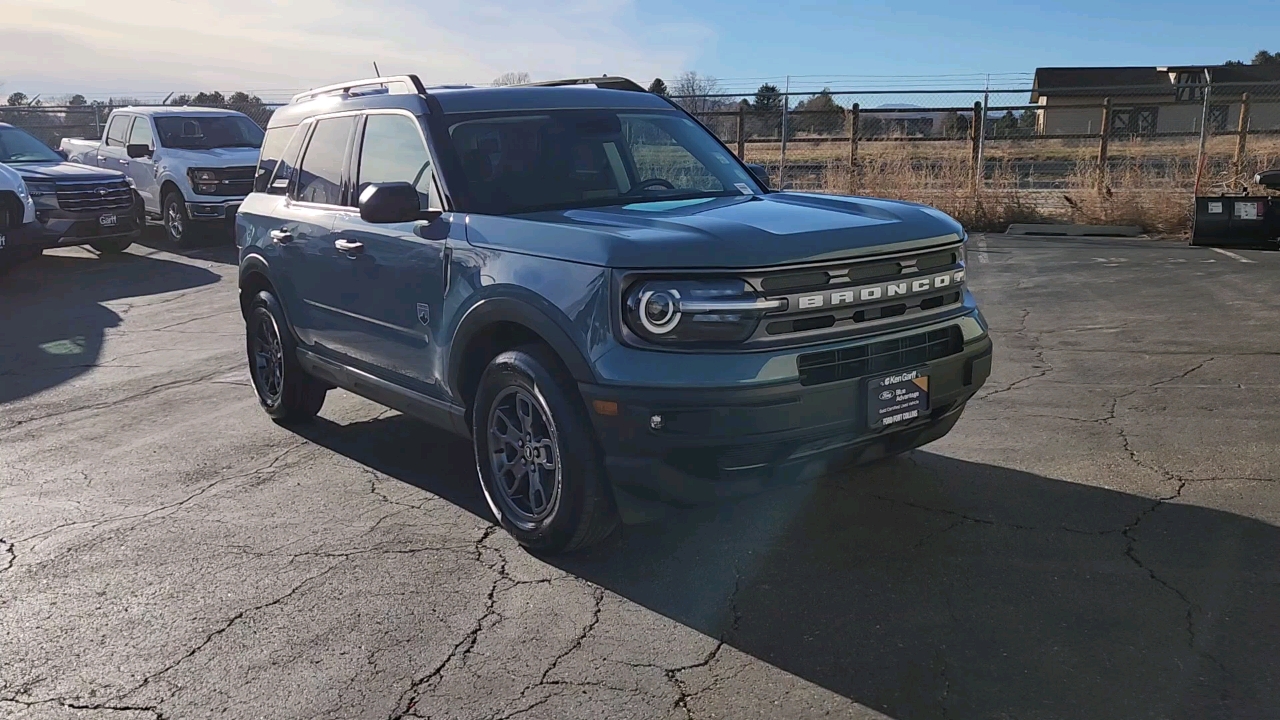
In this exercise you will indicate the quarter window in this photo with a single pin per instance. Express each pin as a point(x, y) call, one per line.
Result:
point(320, 174)
point(393, 151)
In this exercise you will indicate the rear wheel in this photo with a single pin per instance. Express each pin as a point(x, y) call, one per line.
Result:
point(111, 247)
point(285, 391)
point(536, 454)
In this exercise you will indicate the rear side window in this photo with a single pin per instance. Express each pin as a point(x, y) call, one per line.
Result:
point(273, 147)
point(320, 173)
point(117, 131)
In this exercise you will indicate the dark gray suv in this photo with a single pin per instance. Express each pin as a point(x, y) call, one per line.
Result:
point(583, 280)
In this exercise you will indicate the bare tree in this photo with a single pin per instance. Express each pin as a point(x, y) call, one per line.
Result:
point(511, 78)
point(695, 93)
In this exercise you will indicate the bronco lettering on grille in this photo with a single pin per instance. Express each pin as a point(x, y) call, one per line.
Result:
point(871, 293)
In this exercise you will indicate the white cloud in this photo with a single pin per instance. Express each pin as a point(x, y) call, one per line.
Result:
point(147, 46)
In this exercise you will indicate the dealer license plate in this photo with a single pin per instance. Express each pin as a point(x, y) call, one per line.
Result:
point(107, 220)
point(898, 398)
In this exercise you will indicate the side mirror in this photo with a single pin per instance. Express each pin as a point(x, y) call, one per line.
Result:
point(762, 175)
point(137, 151)
point(395, 202)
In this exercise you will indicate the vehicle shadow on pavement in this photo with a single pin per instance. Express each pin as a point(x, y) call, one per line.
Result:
point(932, 587)
point(52, 322)
point(213, 246)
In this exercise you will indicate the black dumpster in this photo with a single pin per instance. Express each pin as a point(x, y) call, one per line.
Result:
point(1240, 220)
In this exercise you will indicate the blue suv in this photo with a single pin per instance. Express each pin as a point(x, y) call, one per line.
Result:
point(583, 280)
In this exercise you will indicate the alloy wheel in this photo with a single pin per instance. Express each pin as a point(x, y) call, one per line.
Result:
point(268, 359)
point(173, 221)
point(524, 455)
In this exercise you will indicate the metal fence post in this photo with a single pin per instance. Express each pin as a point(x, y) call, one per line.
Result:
point(782, 156)
point(1242, 139)
point(1104, 138)
point(742, 132)
point(975, 136)
point(97, 122)
point(1202, 156)
point(852, 117)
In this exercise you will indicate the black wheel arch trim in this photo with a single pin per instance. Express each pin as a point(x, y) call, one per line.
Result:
point(521, 307)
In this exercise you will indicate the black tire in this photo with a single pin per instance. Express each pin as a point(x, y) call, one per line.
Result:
point(285, 391)
point(173, 217)
point(578, 509)
point(111, 247)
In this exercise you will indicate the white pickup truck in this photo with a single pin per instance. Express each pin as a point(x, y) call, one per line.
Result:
point(17, 213)
point(192, 166)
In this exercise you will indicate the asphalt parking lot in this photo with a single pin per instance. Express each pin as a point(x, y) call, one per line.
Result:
point(1098, 537)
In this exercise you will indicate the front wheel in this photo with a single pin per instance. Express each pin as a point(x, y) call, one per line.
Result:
point(177, 225)
point(285, 391)
point(536, 454)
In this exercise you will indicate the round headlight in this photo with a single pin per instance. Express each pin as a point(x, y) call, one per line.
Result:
point(658, 311)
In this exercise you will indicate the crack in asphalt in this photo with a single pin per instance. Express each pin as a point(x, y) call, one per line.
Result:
point(228, 625)
point(73, 704)
point(12, 552)
point(1036, 348)
point(153, 390)
point(409, 699)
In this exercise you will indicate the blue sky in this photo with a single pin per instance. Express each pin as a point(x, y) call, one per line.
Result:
point(278, 46)
point(929, 37)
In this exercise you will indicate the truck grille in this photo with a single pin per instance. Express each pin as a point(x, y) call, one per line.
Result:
point(854, 297)
point(95, 195)
point(234, 181)
point(885, 356)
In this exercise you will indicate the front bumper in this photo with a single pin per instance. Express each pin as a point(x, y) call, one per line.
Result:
point(59, 228)
point(221, 209)
point(723, 442)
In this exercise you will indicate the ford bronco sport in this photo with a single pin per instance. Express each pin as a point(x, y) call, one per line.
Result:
point(583, 280)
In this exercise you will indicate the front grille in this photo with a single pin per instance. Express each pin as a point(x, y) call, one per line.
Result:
point(95, 196)
point(233, 181)
point(884, 356)
point(857, 297)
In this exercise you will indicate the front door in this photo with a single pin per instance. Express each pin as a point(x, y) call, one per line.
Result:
point(395, 281)
point(143, 170)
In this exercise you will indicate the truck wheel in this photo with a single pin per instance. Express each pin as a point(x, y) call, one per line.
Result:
point(111, 247)
point(285, 391)
point(177, 226)
point(536, 454)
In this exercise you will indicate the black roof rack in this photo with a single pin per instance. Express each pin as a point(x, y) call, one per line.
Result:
point(605, 82)
point(391, 84)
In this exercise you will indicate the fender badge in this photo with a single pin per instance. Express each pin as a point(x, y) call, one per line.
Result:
point(424, 313)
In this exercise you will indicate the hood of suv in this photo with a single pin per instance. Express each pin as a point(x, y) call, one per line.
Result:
point(52, 171)
point(747, 232)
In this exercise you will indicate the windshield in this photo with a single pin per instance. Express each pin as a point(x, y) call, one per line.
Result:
point(208, 132)
point(19, 146)
point(557, 159)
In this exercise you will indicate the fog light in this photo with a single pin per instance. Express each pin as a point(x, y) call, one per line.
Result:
point(207, 189)
point(656, 422)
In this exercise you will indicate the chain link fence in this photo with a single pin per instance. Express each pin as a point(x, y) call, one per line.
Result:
point(988, 156)
point(994, 156)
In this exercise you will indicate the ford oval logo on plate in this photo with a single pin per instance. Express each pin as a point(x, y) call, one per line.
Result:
point(886, 395)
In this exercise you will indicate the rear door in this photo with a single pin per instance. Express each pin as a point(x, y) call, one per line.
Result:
point(317, 192)
point(111, 154)
point(143, 170)
point(394, 285)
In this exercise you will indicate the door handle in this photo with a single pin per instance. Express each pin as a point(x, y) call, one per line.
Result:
point(349, 246)
point(281, 237)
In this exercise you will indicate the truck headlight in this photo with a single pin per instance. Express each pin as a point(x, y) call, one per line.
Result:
point(692, 312)
point(202, 176)
point(43, 194)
